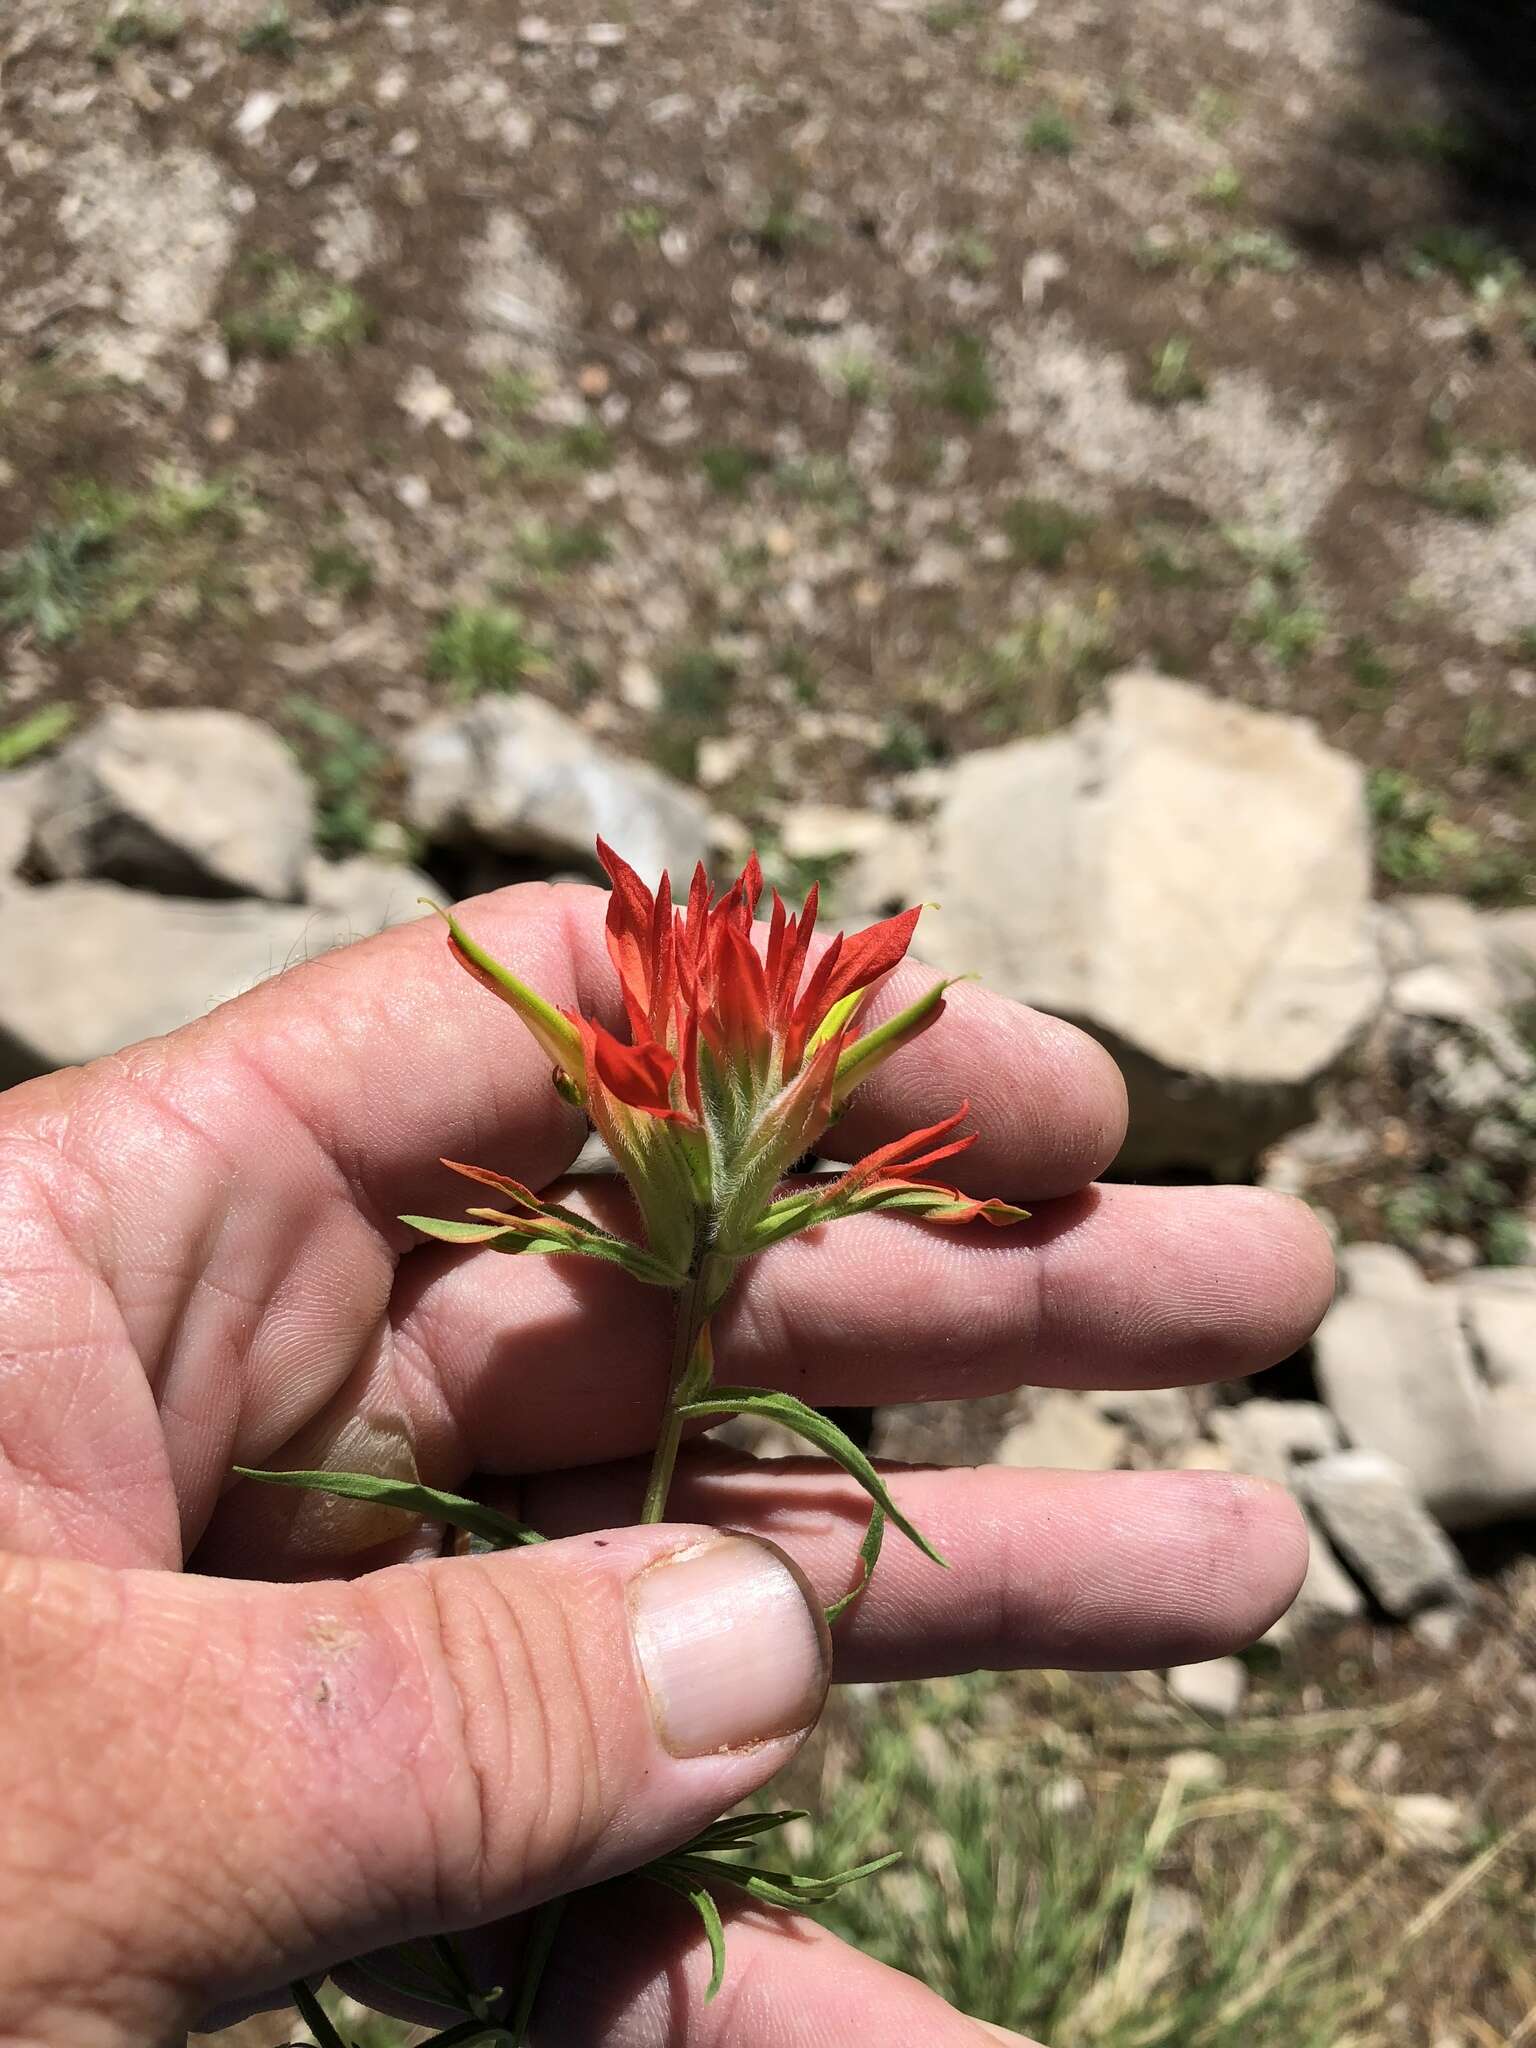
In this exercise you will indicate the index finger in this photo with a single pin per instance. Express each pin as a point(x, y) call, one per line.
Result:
point(420, 1063)
point(390, 1058)
point(1048, 1104)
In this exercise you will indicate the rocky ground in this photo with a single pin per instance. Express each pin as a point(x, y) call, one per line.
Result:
point(765, 426)
point(799, 395)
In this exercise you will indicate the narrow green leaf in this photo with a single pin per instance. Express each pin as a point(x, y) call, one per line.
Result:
point(816, 1429)
point(869, 1552)
point(456, 1233)
point(27, 736)
point(788, 1888)
point(740, 1827)
point(541, 1942)
point(314, 2016)
point(861, 1059)
point(785, 1218)
point(698, 1896)
point(500, 1531)
point(560, 1240)
point(555, 1033)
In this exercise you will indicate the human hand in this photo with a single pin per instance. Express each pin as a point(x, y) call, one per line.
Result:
point(213, 1786)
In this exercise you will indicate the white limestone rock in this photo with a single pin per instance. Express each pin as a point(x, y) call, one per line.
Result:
point(191, 803)
point(1187, 878)
point(513, 774)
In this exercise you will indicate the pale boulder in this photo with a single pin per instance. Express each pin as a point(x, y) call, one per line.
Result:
point(88, 967)
point(1188, 879)
point(1437, 1378)
point(1064, 1432)
point(1215, 1688)
point(370, 894)
point(517, 776)
point(1370, 1509)
point(192, 803)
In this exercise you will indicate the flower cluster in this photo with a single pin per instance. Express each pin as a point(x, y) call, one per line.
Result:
point(743, 1047)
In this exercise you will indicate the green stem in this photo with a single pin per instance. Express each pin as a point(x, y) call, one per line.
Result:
point(692, 1371)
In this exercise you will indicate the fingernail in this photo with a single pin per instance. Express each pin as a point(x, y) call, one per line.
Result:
point(733, 1645)
point(1002, 2034)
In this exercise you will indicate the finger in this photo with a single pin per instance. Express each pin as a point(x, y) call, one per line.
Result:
point(384, 1055)
point(1100, 1571)
point(515, 1364)
point(1048, 1104)
point(632, 1970)
point(243, 1784)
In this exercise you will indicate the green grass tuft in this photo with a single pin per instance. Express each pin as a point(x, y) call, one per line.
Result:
point(1224, 187)
point(273, 35)
point(296, 312)
point(136, 28)
point(348, 770)
point(698, 687)
point(1007, 63)
point(553, 547)
point(860, 378)
point(1172, 377)
point(959, 378)
point(109, 554)
point(1042, 531)
point(483, 647)
point(1477, 261)
point(341, 569)
point(1049, 133)
point(1467, 486)
point(543, 458)
point(25, 738)
point(729, 469)
point(642, 225)
point(49, 586)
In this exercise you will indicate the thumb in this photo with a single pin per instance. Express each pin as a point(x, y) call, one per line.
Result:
point(226, 1785)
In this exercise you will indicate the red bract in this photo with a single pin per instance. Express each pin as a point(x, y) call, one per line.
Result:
point(696, 979)
point(741, 1047)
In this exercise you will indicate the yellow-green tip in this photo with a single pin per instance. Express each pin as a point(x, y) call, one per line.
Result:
point(556, 1034)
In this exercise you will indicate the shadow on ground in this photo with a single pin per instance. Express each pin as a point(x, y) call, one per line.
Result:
point(1488, 52)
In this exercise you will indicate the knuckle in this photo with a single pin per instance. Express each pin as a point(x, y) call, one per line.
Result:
point(525, 1729)
point(73, 1786)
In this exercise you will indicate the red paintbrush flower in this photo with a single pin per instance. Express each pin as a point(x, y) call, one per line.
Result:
point(742, 1044)
point(695, 985)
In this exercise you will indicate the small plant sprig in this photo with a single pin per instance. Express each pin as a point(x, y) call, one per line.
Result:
point(740, 1055)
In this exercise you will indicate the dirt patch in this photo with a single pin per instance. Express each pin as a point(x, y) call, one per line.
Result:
point(903, 371)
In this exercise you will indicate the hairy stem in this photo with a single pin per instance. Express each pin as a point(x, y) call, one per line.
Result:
point(692, 1371)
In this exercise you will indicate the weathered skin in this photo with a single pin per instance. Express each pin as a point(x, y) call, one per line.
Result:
point(214, 1784)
